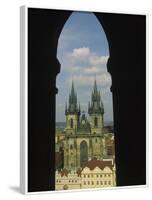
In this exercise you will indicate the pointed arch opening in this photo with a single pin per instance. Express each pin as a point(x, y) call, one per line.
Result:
point(83, 84)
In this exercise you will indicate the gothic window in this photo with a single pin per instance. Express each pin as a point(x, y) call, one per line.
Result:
point(71, 123)
point(83, 153)
point(95, 121)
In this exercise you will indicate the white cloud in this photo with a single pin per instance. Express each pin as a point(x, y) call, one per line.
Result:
point(80, 52)
point(84, 65)
point(98, 60)
point(92, 70)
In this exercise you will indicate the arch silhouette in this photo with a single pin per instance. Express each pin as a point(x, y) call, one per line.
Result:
point(126, 38)
point(99, 50)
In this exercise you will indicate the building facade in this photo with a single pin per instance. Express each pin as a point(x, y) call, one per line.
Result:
point(96, 174)
point(84, 138)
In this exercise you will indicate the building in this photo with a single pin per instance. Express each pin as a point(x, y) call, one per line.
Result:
point(85, 147)
point(84, 138)
point(95, 174)
point(66, 180)
point(98, 174)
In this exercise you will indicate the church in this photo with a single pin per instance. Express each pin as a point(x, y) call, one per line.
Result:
point(84, 139)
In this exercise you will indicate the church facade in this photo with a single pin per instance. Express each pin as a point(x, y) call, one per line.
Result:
point(84, 139)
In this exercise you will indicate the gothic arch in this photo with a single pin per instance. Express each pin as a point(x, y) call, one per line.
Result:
point(83, 153)
point(126, 37)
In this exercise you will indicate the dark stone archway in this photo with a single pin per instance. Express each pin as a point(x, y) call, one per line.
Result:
point(127, 65)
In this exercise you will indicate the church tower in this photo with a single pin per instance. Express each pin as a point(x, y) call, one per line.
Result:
point(72, 112)
point(96, 111)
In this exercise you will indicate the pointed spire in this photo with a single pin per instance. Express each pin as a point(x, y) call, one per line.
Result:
point(73, 106)
point(95, 106)
point(66, 107)
point(79, 107)
point(72, 88)
point(95, 85)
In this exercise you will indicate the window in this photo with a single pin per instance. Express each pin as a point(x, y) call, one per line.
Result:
point(92, 183)
point(84, 183)
point(105, 182)
point(101, 175)
point(88, 182)
point(109, 182)
point(97, 182)
point(101, 183)
point(71, 123)
point(95, 121)
point(88, 175)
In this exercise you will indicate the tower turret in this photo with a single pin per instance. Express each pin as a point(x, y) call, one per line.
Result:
point(72, 112)
point(96, 102)
point(96, 110)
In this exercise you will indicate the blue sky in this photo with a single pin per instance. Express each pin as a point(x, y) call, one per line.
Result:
point(83, 53)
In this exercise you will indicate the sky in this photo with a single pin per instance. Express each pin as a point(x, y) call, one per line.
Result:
point(83, 53)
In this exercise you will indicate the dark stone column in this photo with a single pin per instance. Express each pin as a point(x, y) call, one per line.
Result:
point(44, 28)
point(127, 66)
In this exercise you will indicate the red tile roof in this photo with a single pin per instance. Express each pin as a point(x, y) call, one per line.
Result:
point(64, 172)
point(91, 164)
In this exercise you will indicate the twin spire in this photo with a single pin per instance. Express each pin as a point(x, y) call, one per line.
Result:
point(95, 106)
point(73, 106)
